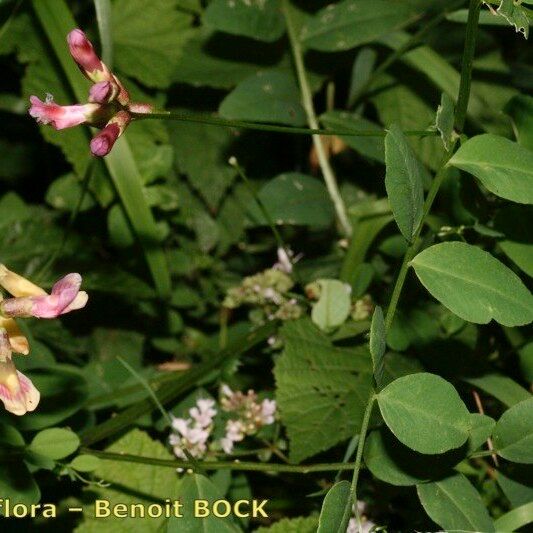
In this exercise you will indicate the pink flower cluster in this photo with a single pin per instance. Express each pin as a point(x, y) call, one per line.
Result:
point(17, 392)
point(108, 106)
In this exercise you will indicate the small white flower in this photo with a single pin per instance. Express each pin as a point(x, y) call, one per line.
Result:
point(268, 410)
point(181, 425)
point(234, 430)
point(227, 445)
point(203, 413)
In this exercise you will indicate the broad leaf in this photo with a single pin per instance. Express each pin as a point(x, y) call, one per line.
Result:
point(321, 390)
point(333, 507)
point(516, 15)
point(425, 413)
point(257, 19)
point(266, 97)
point(404, 182)
point(294, 199)
point(333, 306)
point(353, 22)
point(504, 167)
point(502, 388)
point(148, 38)
point(55, 443)
point(454, 504)
point(307, 524)
point(473, 284)
point(513, 435)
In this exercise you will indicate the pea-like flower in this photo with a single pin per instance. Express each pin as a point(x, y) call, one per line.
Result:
point(17, 392)
point(108, 107)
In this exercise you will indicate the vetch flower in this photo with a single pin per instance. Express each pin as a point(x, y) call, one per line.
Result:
point(64, 297)
point(108, 106)
point(17, 392)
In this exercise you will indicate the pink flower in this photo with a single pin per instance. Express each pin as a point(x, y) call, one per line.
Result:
point(83, 53)
point(17, 392)
point(102, 143)
point(61, 117)
point(65, 297)
point(101, 92)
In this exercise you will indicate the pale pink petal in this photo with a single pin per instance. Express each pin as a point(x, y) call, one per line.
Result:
point(61, 117)
point(17, 392)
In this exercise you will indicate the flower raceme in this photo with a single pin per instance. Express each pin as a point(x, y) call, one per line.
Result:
point(108, 107)
point(17, 392)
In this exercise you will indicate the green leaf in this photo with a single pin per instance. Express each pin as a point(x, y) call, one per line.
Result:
point(404, 182)
point(425, 413)
point(513, 435)
point(119, 228)
point(55, 443)
point(516, 15)
point(65, 192)
point(445, 120)
point(473, 284)
point(195, 487)
point(131, 483)
point(333, 507)
point(378, 344)
point(333, 306)
point(258, 19)
point(515, 519)
point(517, 245)
point(148, 39)
point(17, 484)
point(321, 390)
point(85, 463)
point(270, 96)
point(480, 430)
point(354, 22)
point(503, 388)
point(396, 464)
point(454, 504)
point(295, 199)
point(371, 147)
point(504, 167)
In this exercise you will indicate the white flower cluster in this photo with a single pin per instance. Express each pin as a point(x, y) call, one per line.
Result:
point(192, 433)
point(366, 524)
point(251, 415)
point(190, 436)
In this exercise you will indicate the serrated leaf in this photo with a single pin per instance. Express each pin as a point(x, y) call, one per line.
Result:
point(516, 16)
point(425, 413)
point(131, 483)
point(321, 391)
point(454, 504)
point(445, 120)
point(55, 443)
point(257, 19)
point(404, 182)
point(148, 39)
point(333, 507)
point(271, 96)
point(473, 284)
point(333, 306)
point(513, 435)
point(354, 22)
point(378, 344)
point(294, 198)
point(504, 167)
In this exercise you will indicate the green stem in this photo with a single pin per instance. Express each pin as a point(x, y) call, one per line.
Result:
point(357, 465)
point(243, 124)
point(103, 19)
point(467, 64)
point(307, 101)
point(460, 118)
point(222, 465)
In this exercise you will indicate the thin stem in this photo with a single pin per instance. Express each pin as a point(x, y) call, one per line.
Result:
point(357, 465)
point(460, 118)
point(222, 465)
point(467, 64)
point(307, 101)
point(243, 124)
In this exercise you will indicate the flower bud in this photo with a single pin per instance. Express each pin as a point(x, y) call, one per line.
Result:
point(83, 53)
point(103, 142)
